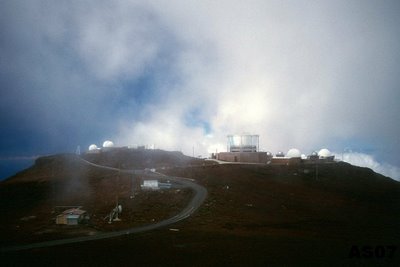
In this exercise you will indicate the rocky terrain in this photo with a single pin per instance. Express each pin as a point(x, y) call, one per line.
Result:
point(254, 215)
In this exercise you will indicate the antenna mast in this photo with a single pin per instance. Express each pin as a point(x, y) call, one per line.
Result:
point(78, 150)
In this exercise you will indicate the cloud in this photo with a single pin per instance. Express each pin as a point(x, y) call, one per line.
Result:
point(365, 160)
point(298, 75)
point(70, 72)
point(118, 40)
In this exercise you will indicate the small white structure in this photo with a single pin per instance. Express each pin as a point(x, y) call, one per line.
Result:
point(93, 147)
point(108, 144)
point(151, 146)
point(280, 154)
point(71, 217)
point(293, 153)
point(324, 153)
point(150, 184)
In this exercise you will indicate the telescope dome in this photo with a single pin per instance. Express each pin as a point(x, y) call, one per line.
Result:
point(324, 153)
point(92, 147)
point(108, 143)
point(293, 153)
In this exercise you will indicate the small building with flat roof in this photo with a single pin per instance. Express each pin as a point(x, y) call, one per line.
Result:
point(71, 216)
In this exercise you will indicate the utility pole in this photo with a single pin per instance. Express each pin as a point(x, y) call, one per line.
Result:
point(117, 197)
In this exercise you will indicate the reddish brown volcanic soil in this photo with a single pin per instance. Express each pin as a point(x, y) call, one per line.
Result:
point(254, 215)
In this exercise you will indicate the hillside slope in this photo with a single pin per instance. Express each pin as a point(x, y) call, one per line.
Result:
point(253, 215)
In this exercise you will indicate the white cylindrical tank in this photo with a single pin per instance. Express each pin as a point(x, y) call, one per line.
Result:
point(92, 147)
point(324, 153)
point(108, 143)
point(293, 153)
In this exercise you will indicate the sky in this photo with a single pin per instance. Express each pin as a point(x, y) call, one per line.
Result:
point(182, 75)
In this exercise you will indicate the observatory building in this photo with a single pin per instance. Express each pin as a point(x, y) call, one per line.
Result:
point(108, 144)
point(292, 157)
point(244, 148)
point(325, 154)
point(293, 153)
point(93, 149)
point(242, 143)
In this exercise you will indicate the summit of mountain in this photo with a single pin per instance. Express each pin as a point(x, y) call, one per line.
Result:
point(254, 214)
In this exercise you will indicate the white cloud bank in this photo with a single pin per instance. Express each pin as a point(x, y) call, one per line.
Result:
point(298, 74)
point(184, 74)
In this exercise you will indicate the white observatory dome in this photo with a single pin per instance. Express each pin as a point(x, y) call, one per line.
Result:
point(324, 153)
point(108, 143)
point(92, 147)
point(293, 153)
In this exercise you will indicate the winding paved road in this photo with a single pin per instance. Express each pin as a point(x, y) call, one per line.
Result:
point(194, 204)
